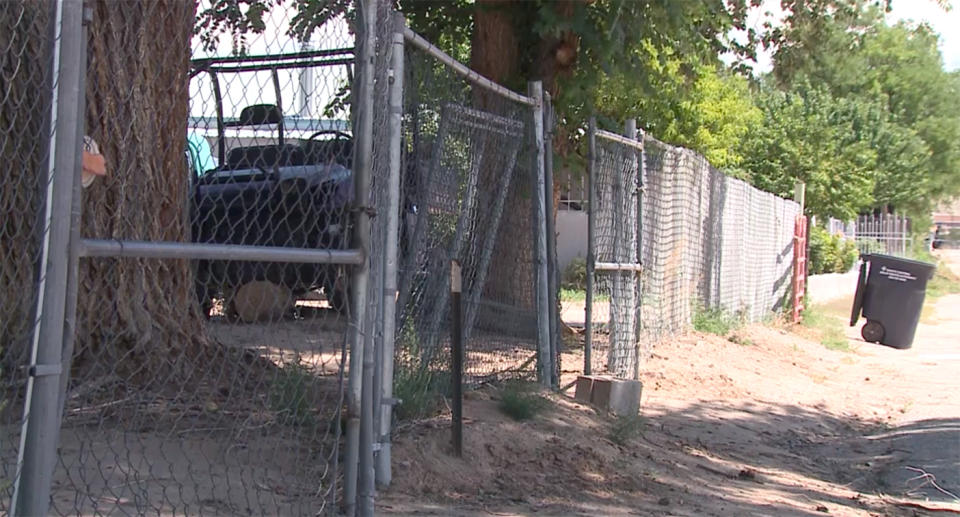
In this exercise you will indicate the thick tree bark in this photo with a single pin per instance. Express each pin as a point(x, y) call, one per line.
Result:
point(140, 313)
point(497, 54)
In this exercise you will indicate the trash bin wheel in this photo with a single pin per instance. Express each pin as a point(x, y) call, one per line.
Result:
point(872, 331)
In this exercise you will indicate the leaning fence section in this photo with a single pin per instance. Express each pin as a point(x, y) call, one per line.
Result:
point(466, 195)
point(705, 241)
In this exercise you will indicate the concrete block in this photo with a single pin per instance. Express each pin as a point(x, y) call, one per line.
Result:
point(625, 397)
point(584, 389)
point(618, 396)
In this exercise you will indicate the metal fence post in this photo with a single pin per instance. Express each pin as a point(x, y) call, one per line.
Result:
point(630, 131)
point(591, 254)
point(456, 358)
point(535, 91)
point(40, 434)
point(552, 267)
point(389, 323)
point(355, 450)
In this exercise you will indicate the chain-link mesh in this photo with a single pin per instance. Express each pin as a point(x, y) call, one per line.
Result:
point(25, 91)
point(616, 306)
point(205, 386)
point(466, 196)
point(706, 241)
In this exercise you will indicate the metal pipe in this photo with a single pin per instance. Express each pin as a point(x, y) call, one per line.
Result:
point(389, 323)
point(591, 256)
point(221, 126)
point(630, 133)
point(204, 251)
point(76, 211)
point(196, 63)
point(39, 437)
point(456, 359)
point(280, 66)
point(305, 80)
point(553, 281)
point(276, 88)
point(620, 139)
point(418, 41)
point(535, 90)
point(617, 266)
point(358, 453)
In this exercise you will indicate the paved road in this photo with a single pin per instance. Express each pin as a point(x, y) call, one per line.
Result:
point(926, 437)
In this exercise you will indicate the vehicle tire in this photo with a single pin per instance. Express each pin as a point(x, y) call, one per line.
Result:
point(872, 331)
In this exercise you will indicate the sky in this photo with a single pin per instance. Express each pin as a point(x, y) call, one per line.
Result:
point(947, 23)
point(251, 88)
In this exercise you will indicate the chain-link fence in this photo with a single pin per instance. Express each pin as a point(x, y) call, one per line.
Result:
point(203, 356)
point(220, 222)
point(467, 195)
point(26, 136)
point(705, 241)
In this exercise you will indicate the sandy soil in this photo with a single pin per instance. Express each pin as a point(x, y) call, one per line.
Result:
point(774, 424)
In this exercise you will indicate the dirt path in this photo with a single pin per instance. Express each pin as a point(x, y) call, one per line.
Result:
point(773, 424)
point(926, 435)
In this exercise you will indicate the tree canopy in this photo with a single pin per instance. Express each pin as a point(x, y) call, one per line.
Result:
point(860, 109)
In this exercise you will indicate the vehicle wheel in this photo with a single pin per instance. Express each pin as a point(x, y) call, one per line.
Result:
point(872, 332)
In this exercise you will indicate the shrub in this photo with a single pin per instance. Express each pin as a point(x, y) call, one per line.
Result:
point(419, 390)
point(292, 395)
point(519, 401)
point(715, 320)
point(575, 275)
point(418, 386)
point(830, 253)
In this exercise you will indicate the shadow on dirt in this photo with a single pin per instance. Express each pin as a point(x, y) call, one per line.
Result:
point(707, 458)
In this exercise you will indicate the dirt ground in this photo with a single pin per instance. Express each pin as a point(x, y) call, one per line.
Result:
point(776, 424)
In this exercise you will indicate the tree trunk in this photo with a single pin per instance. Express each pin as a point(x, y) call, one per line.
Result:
point(497, 54)
point(142, 314)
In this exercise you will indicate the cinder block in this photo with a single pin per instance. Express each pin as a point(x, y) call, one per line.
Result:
point(625, 397)
point(618, 396)
point(584, 389)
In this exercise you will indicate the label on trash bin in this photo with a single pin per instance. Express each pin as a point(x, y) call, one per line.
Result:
point(896, 274)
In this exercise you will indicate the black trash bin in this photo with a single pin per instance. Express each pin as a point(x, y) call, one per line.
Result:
point(890, 295)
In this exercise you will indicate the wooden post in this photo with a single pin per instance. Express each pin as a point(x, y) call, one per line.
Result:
point(456, 360)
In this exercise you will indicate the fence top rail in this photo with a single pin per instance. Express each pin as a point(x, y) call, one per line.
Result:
point(620, 139)
point(421, 43)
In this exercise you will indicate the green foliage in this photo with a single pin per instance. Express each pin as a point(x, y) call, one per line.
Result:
point(418, 386)
point(420, 391)
point(831, 253)
point(809, 135)
point(575, 275)
point(520, 401)
point(908, 105)
point(715, 320)
point(944, 280)
point(828, 326)
point(292, 395)
point(626, 428)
